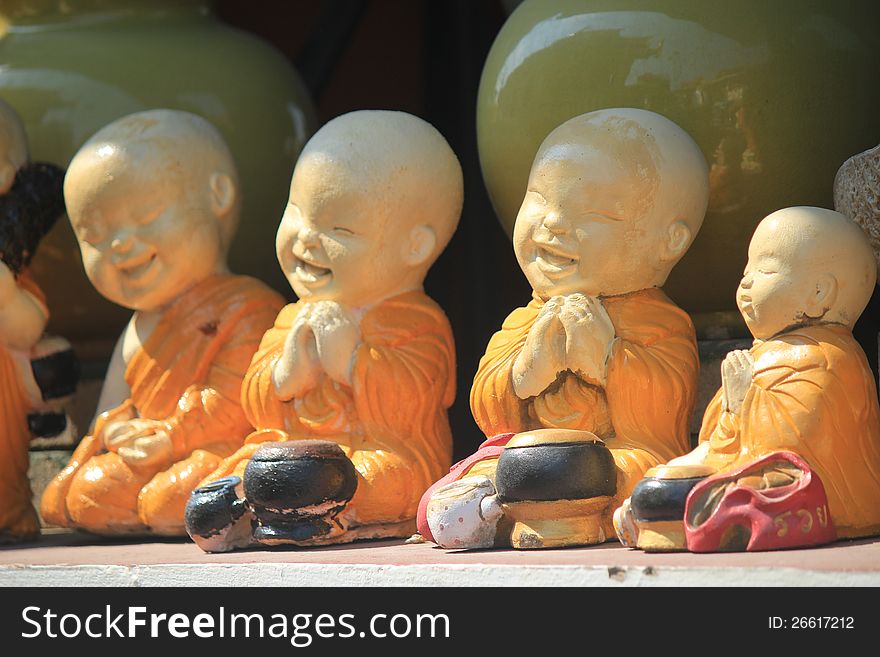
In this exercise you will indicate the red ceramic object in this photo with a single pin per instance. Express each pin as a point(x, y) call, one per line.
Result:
point(748, 519)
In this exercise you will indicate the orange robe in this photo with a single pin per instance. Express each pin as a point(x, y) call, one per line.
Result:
point(188, 375)
point(391, 422)
point(812, 393)
point(643, 411)
point(17, 515)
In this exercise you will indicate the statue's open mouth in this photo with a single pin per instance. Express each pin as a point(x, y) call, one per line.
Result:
point(552, 262)
point(310, 273)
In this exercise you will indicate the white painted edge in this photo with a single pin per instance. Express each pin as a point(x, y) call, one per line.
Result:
point(341, 575)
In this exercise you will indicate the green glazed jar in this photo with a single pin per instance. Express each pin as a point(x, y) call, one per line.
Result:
point(70, 67)
point(777, 94)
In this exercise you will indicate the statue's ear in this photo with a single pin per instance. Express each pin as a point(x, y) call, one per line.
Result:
point(822, 296)
point(7, 177)
point(223, 193)
point(420, 245)
point(678, 239)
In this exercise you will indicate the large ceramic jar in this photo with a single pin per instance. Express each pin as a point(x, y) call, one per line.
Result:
point(778, 94)
point(70, 67)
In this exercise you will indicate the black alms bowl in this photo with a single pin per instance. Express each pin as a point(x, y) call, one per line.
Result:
point(555, 471)
point(213, 507)
point(655, 498)
point(287, 476)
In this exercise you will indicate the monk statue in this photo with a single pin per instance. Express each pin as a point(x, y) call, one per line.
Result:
point(38, 373)
point(154, 202)
point(348, 392)
point(796, 418)
point(600, 355)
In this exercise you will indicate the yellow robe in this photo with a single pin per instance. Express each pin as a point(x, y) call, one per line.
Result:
point(188, 375)
point(391, 422)
point(17, 515)
point(643, 411)
point(812, 393)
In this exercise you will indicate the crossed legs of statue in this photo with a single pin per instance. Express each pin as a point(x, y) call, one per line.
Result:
point(99, 492)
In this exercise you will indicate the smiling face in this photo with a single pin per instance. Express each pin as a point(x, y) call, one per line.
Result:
point(582, 226)
point(145, 229)
point(332, 242)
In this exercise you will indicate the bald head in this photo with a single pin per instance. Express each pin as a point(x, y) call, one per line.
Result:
point(825, 249)
point(165, 148)
point(398, 161)
point(617, 196)
point(664, 170)
point(13, 146)
point(375, 197)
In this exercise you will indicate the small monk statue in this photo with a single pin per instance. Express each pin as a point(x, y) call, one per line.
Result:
point(30, 203)
point(353, 383)
point(154, 202)
point(802, 400)
point(615, 198)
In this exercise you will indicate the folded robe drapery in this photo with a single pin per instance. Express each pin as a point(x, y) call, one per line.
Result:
point(812, 393)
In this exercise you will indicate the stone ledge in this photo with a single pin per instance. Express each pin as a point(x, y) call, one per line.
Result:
point(79, 560)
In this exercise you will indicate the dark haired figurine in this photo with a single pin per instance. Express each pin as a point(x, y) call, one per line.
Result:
point(36, 373)
point(28, 210)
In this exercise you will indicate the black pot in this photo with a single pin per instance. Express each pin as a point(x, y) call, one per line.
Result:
point(289, 476)
point(655, 499)
point(213, 507)
point(555, 471)
point(57, 374)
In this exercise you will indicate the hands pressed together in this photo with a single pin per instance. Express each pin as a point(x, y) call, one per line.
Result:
point(571, 332)
point(323, 338)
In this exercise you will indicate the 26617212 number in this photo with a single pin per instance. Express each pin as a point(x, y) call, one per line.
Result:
point(812, 623)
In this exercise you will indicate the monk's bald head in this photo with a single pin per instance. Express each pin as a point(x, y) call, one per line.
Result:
point(819, 245)
point(13, 146)
point(162, 149)
point(659, 169)
point(398, 163)
point(621, 193)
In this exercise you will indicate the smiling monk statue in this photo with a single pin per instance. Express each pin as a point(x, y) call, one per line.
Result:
point(348, 392)
point(614, 200)
point(154, 201)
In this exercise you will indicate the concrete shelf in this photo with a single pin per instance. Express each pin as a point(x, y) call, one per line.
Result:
point(73, 559)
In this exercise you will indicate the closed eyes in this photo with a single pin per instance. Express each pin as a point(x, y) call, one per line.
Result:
point(149, 217)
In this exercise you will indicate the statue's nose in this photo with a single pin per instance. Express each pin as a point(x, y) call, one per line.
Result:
point(554, 223)
point(308, 236)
